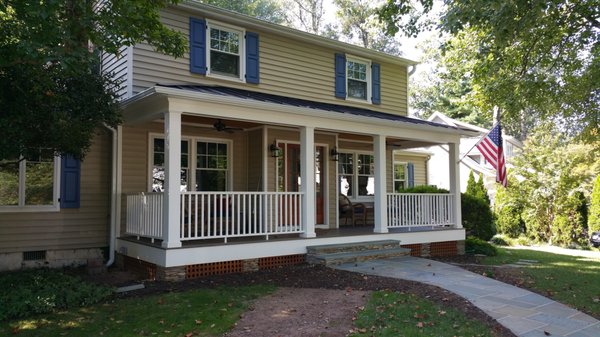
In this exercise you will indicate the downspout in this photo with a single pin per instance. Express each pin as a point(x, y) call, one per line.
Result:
point(413, 68)
point(114, 196)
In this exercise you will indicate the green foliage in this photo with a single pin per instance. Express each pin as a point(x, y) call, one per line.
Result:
point(475, 245)
point(267, 10)
point(392, 313)
point(477, 217)
point(424, 189)
point(50, 90)
point(471, 185)
point(508, 207)
point(594, 215)
point(42, 291)
point(532, 59)
point(501, 240)
point(555, 174)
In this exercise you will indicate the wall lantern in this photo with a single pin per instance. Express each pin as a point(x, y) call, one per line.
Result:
point(335, 156)
point(275, 151)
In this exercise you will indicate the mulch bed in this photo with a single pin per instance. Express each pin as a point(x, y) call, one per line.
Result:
point(309, 276)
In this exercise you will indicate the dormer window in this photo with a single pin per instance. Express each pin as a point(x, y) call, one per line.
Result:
point(225, 50)
point(358, 75)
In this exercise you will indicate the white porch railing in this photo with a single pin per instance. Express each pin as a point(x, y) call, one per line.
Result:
point(145, 215)
point(213, 215)
point(210, 215)
point(420, 209)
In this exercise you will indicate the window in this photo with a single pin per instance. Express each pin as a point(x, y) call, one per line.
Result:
point(209, 166)
point(224, 52)
point(362, 177)
point(158, 165)
point(358, 79)
point(30, 183)
point(400, 176)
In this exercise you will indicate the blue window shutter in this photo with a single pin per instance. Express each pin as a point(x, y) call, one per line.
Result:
point(340, 76)
point(411, 175)
point(70, 177)
point(198, 46)
point(376, 84)
point(252, 64)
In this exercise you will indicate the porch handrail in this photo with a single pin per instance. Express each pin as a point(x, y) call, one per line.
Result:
point(420, 209)
point(212, 215)
point(145, 215)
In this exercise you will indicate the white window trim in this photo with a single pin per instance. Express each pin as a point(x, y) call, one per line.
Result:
point(242, 51)
point(355, 175)
point(350, 58)
point(22, 208)
point(405, 164)
point(191, 158)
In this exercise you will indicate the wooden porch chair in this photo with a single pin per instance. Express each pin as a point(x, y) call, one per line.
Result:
point(357, 212)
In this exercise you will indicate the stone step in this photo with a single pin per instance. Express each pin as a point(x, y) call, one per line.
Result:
point(352, 247)
point(329, 259)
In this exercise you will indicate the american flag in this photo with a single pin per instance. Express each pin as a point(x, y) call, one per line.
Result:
point(490, 147)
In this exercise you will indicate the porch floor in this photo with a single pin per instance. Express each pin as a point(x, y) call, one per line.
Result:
point(343, 231)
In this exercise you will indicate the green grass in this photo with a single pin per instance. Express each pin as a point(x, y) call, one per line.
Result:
point(570, 280)
point(397, 314)
point(204, 312)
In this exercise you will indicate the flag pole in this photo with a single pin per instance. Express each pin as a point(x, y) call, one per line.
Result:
point(479, 141)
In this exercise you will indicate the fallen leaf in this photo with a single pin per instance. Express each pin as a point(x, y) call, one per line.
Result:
point(198, 321)
point(420, 325)
point(441, 312)
point(189, 334)
point(547, 333)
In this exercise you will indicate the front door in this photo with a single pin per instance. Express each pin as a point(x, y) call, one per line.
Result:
point(289, 175)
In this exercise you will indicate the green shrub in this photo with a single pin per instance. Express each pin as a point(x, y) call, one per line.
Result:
point(42, 291)
point(477, 217)
point(477, 246)
point(522, 240)
point(594, 211)
point(500, 240)
point(508, 209)
point(424, 189)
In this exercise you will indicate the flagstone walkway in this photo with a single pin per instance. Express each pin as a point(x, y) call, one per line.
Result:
point(525, 313)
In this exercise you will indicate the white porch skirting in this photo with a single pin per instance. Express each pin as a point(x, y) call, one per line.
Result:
point(242, 251)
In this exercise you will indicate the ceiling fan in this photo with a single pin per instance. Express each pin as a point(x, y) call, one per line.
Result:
point(220, 126)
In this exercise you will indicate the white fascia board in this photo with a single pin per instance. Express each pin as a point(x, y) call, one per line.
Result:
point(250, 23)
point(270, 113)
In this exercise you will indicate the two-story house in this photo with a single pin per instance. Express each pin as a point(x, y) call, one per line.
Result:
point(234, 157)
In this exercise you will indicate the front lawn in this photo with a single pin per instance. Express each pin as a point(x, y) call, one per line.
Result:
point(192, 313)
point(392, 313)
point(571, 280)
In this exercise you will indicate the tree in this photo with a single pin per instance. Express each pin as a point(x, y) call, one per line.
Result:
point(554, 173)
point(358, 19)
point(471, 185)
point(527, 57)
point(594, 215)
point(268, 10)
point(51, 94)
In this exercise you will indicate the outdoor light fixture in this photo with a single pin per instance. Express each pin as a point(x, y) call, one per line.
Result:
point(275, 151)
point(335, 156)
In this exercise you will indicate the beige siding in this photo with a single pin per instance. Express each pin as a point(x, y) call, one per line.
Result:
point(256, 150)
point(85, 227)
point(116, 66)
point(420, 164)
point(287, 67)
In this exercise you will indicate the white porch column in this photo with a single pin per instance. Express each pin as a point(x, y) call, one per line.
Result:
point(307, 173)
point(380, 207)
point(454, 170)
point(171, 196)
